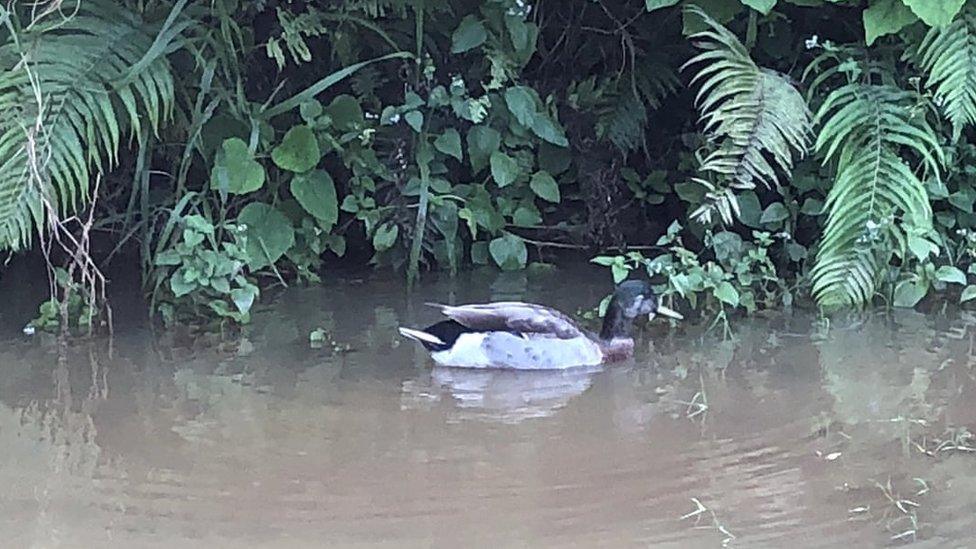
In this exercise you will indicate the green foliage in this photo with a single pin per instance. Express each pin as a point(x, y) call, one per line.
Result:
point(935, 14)
point(316, 193)
point(269, 234)
point(509, 252)
point(77, 305)
point(235, 171)
point(877, 205)
point(747, 114)
point(948, 55)
point(71, 88)
point(203, 273)
point(298, 151)
point(741, 275)
point(886, 17)
point(506, 132)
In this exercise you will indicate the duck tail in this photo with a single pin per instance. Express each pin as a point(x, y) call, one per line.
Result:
point(421, 336)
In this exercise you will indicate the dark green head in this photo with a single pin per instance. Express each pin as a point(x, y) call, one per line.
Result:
point(631, 299)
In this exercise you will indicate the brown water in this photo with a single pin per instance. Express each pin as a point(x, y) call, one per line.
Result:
point(790, 433)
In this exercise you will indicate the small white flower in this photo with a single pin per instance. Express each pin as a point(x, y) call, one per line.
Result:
point(812, 42)
point(395, 118)
point(29, 330)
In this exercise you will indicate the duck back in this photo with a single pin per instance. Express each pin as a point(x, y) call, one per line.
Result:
point(519, 351)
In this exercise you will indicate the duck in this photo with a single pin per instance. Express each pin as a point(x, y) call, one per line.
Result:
point(527, 336)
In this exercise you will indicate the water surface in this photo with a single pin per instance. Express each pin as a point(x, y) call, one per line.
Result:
point(790, 433)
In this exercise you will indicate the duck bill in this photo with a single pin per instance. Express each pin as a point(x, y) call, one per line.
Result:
point(662, 310)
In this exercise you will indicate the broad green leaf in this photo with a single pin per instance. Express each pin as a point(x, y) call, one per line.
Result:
point(620, 272)
point(750, 210)
point(796, 251)
point(908, 294)
point(470, 34)
point(346, 113)
point(269, 234)
point(548, 130)
point(526, 216)
point(935, 13)
point(220, 284)
point(950, 274)
point(337, 244)
point(316, 192)
point(812, 206)
point(693, 193)
point(521, 104)
point(299, 150)
point(523, 35)
point(963, 200)
point(192, 238)
point(884, 17)
point(726, 293)
point(722, 11)
point(385, 236)
point(199, 223)
point(244, 297)
point(482, 143)
point(310, 110)
point(412, 101)
point(727, 245)
point(774, 213)
point(449, 143)
point(415, 119)
point(968, 293)
point(179, 284)
point(509, 252)
point(652, 5)
point(762, 6)
point(235, 170)
point(504, 169)
point(479, 253)
point(921, 247)
point(518, 31)
point(545, 187)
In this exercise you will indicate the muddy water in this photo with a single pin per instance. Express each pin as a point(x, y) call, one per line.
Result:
point(788, 433)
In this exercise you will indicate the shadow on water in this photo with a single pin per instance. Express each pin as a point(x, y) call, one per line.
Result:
point(793, 432)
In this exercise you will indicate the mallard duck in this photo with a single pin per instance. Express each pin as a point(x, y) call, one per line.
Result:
point(525, 336)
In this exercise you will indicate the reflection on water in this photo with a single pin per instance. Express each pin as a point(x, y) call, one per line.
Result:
point(794, 432)
point(501, 395)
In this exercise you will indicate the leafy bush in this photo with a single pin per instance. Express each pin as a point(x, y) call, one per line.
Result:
point(252, 144)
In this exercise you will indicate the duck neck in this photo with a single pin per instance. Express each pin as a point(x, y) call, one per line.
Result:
point(615, 324)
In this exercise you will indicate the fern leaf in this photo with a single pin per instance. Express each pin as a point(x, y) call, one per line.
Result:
point(877, 201)
point(70, 88)
point(948, 55)
point(622, 114)
point(753, 118)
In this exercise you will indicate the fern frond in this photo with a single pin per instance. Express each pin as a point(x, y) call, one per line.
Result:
point(626, 101)
point(754, 119)
point(877, 201)
point(70, 89)
point(948, 55)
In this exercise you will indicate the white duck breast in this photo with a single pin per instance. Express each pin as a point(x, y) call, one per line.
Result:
point(522, 352)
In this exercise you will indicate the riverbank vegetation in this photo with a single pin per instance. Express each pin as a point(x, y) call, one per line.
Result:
point(746, 154)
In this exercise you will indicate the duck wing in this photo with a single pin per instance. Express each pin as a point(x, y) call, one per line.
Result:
point(512, 316)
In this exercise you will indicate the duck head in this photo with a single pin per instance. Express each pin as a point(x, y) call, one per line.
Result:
point(631, 299)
